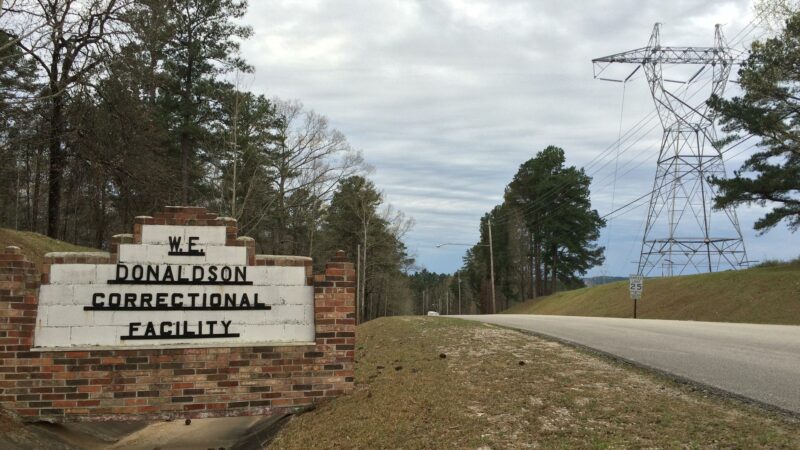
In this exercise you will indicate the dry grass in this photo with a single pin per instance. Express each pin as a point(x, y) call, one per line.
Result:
point(481, 397)
point(35, 245)
point(760, 295)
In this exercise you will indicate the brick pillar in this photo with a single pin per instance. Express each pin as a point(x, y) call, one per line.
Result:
point(19, 281)
point(335, 323)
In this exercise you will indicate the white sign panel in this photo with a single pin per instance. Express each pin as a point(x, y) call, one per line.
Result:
point(180, 286)
point(636, 286)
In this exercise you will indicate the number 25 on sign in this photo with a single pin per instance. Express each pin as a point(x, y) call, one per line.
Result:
point(636, 288)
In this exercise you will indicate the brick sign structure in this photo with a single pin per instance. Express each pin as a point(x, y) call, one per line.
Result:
point(180, 319)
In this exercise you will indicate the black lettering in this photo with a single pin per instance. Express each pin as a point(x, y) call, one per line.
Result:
point(241, 273)
point(215, 300)
point(186, 331)
point(245, 301)
point(226, 324)
point(230, 300)
point(192, 240)
point(175, 243)
point(95, 297)
point(226, 273)
point(257, 304)
point(168, 276)
point(212, 273)
point(146, 299)
point(174, 301)
point(122, 272)
point(197, 273)
point(152, 273)
point(161, 300)
point(133, 327)
point(163, 330)
point(137, 273)
point(150, 330)
point(130, 300)
point(114, 300)
point(211, 324)
point(180, 274)
point(193, 298)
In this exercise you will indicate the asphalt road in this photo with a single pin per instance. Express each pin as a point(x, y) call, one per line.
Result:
point(759, 362)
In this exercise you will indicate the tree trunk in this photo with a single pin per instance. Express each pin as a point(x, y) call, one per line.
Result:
point(56, 164)
point(545, 278)
point(554, 269)
point(537, 264)
point(100, 216)
point(186, 144)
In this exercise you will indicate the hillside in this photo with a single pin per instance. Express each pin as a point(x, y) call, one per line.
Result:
point(35, 245)
point(759, 295)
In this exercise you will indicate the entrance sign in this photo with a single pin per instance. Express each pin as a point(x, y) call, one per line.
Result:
point(636, 286)
point(182, 285)
point(180, 319)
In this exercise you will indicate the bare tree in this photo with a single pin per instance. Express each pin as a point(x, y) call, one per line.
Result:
point(311, 157)
point(68, 39)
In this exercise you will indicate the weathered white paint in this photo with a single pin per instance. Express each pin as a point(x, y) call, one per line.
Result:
point(63, 323)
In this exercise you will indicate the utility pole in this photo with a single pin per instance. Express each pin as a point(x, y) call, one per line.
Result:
point(358, 284)
point(491, 264)
point(459, 292)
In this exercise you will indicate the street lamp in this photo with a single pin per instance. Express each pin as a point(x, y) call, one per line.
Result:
point(491, 261)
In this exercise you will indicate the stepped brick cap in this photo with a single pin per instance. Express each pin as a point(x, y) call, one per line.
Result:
point(13, 250)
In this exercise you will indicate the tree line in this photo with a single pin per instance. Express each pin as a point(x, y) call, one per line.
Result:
point(115, 108)
point(543, 236)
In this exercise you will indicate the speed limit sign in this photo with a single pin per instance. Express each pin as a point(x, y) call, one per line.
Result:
point(636, 286)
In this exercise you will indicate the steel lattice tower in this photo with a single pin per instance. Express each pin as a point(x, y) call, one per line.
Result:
point(682, 230)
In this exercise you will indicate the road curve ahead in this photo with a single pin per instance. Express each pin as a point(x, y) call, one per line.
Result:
point(760, 362)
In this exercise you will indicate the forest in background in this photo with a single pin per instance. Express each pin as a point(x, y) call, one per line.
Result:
point(112, 109)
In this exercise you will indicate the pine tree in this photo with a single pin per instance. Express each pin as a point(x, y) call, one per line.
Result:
point(770, 110)
point(554, 201)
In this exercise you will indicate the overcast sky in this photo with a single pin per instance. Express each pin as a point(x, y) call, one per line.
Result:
point(446, 98)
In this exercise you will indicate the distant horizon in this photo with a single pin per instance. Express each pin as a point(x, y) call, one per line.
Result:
point(446, 99)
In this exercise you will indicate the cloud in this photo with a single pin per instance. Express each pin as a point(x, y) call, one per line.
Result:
point(448, 97)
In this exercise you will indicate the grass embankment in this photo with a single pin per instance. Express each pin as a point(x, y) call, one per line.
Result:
point(481, 396)
point(35, 245)
point(759, 295)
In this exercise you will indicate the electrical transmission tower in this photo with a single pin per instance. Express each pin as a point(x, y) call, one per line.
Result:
point(682, 230)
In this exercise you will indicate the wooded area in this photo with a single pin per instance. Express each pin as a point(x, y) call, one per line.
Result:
point(544, 234)
point(115, 108)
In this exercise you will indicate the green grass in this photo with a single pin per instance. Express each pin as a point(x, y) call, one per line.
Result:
point(479, 396)
point(35, 245)
point(769, 294)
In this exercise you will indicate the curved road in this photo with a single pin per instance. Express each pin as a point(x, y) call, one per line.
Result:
point(760, 362)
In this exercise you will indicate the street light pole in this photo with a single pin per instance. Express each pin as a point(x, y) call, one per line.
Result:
point(491, 261)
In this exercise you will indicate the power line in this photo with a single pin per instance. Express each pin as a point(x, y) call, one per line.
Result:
point(554, 191)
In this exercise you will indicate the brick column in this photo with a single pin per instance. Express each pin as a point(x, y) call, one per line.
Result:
point(19, 281)
point(335, 322)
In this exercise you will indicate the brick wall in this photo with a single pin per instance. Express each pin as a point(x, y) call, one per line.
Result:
point(162, 383)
